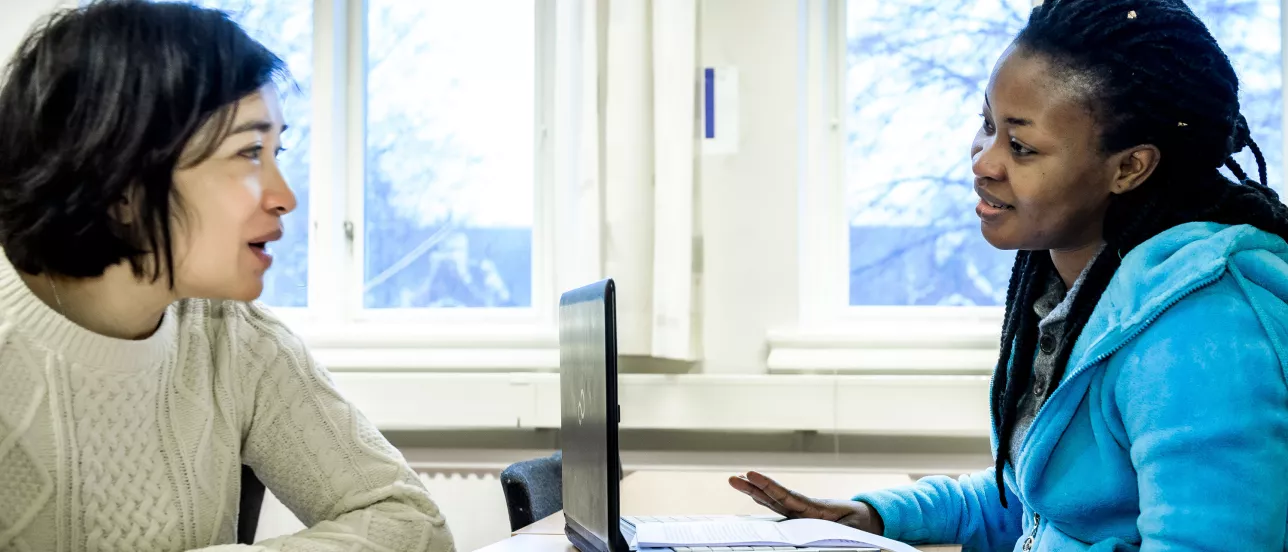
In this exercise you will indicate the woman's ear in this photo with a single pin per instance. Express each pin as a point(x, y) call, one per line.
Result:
point(126, 211)
point(1135, 165)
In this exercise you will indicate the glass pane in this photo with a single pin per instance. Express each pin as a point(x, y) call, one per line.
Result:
point(915, 77)
point(449, 162)
point(1249, 31)
point(286, 28)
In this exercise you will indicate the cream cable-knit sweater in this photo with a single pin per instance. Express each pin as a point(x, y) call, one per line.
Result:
point(108, 444)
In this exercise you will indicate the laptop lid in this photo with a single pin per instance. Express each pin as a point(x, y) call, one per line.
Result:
point(589, 417)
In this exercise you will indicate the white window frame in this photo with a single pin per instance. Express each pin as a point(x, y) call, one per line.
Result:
point(830, 335)
point(342, 333)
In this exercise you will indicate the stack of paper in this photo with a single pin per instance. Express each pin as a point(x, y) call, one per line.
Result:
point(797, 532)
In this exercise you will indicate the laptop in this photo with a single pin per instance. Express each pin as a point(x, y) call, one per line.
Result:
point(592, 468)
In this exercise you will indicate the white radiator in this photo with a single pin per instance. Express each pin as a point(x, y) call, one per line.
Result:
point(473, 504)
point(471, 499)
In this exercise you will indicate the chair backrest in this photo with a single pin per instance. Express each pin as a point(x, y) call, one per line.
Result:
point(252, 499)
point(533, 489)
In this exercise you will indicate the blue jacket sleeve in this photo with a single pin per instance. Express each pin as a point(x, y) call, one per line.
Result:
point(943, 510)
point(1204, 409)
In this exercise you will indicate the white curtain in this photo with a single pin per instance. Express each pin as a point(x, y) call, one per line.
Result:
point(633, 179)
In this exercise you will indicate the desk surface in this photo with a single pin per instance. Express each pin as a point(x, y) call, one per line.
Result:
point(695, 493)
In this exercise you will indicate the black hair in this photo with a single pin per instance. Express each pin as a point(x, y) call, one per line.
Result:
point(97, 109)
point(1154, 75)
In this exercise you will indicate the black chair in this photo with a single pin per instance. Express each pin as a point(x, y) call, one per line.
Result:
point(252, 499)
point(533, 489)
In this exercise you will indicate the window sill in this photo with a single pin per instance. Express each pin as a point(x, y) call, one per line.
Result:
point(431, 347)
point(884, 405)
point(875, 347)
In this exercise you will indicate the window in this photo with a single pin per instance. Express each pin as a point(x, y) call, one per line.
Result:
point(913, 77)
point(286, 28)
point(449, 162)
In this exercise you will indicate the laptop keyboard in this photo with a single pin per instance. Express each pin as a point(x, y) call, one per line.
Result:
point(629, 522)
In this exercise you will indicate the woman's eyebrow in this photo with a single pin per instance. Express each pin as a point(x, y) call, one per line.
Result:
point(258, 125)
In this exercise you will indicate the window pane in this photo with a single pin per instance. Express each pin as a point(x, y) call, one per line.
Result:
point(916, 72)
point(449, 162)
point(286, 28)
point(1249, 32)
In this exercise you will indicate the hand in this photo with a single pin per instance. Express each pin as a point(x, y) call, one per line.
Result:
point(793, 505)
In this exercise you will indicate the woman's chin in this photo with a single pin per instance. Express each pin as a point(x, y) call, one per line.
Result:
point(998, 238)
point(248, 291)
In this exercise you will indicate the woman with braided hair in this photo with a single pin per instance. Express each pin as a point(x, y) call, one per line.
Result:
point(1139, 402)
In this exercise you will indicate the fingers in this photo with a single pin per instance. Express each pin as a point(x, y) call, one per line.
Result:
point(746, 487)
point(794, 502)
point(775, 508)
point(738, 482)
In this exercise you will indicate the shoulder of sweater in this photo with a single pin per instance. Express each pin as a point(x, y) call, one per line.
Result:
point(251, 323)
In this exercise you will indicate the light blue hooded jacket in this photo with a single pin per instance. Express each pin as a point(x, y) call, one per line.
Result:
point(1169, 430)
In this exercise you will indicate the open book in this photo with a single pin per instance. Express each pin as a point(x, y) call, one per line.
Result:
point(796, 532)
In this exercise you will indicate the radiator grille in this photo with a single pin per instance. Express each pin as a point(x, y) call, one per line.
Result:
point(471, 500)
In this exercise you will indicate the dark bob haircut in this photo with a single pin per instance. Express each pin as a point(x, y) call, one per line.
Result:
point(96, 111)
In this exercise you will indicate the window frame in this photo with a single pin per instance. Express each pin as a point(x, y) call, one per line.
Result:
point(336, 222)
point(831, 335)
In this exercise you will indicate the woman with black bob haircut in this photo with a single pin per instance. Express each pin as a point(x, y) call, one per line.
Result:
point(138, 194)
point(1139, 402)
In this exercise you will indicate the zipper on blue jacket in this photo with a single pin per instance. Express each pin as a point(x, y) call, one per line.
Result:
point(1033, 535)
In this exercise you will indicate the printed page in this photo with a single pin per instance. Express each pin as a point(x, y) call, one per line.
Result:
point(710, 533)
point(817, 532)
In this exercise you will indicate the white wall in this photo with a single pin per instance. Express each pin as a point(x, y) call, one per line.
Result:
point(19, 16)
point(749, 199)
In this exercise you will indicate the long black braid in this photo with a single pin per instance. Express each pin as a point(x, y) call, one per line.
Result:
point(1155, 76)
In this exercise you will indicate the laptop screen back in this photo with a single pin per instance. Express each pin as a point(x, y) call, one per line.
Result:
point(588, 392)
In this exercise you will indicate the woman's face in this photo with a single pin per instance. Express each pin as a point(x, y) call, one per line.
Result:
point(231, 206)
point(1043, 181)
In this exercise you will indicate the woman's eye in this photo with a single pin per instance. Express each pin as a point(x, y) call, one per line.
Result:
point(1019, 149)
point(988, 125)
point(252, 153)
